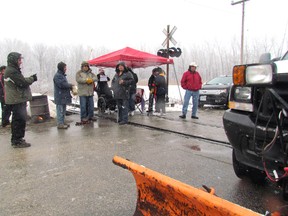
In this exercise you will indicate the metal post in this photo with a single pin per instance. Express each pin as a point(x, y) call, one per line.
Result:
point(167, 67)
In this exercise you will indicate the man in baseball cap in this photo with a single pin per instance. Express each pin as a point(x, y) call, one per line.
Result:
point(191, 81)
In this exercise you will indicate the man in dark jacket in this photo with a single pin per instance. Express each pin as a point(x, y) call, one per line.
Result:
point(17, 89)
point(121, 83)
point(161, 91)
point(62, 95)
point(152, 88)
point(132, 93)
point(6, 110)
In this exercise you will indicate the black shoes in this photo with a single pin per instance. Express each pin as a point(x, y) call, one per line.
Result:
point(123, 123)
point(183, 116)
point(93, 119)
point(20, 144)
point(62, 126)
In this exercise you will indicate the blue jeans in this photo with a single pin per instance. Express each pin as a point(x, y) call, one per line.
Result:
point(195, 99)
point(61, 112)
point(86, 107)
point(122, 105)
point(132, 98)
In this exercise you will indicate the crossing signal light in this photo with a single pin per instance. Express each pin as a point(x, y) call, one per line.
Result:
point(172, 52)
point(163, 53)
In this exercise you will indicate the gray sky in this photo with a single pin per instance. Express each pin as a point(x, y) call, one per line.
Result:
point(116, 24)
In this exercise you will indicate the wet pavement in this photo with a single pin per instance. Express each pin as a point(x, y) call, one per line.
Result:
point(70, 172)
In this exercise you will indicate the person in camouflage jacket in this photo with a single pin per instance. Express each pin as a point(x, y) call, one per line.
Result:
point(17, 93)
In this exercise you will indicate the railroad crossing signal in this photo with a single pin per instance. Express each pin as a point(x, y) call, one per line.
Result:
point(169, 36)
point(172, 52)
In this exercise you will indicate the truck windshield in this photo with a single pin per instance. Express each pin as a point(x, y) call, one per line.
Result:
point(222, 80)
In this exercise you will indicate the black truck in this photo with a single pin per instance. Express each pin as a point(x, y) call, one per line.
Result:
point(256, 122)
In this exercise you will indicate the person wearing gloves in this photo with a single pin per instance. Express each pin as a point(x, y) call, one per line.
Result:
point(17, 93)
point(121, 83)
point(191, 81)
point(62, 95)
point(85, 80)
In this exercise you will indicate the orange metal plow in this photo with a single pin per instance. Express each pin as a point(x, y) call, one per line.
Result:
point(162, 195)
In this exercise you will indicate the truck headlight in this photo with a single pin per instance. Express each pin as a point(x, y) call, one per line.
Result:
point(240, 99)
point(259, 74)
point(242, 94)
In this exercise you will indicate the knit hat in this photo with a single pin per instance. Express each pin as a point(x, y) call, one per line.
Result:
point(84, 63)
point(61, 66)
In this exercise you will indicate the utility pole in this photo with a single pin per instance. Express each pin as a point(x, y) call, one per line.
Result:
point(168, 38)
point(242, 32)
point(167, 66)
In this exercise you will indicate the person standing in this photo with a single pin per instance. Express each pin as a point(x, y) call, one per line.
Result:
point(161, 91)
point(85, 80)
point(191, 81)
point(152, 89)
point(6, 110)
point(17, 93)
point(132, 93)
point(62, 95)
point(102, 83)
point(121, 83)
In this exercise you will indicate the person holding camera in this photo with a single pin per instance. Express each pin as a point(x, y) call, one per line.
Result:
point(18, 92)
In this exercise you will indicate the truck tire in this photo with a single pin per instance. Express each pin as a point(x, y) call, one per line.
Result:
point(239, 168)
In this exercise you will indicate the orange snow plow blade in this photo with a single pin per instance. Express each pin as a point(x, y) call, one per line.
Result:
point(162, 195)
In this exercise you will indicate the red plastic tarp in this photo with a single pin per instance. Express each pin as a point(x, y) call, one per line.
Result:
point(132, 57)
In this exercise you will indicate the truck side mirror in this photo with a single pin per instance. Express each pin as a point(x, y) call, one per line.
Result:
point(265, 58)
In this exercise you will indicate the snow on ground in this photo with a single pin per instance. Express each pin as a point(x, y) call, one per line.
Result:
point(175, 103)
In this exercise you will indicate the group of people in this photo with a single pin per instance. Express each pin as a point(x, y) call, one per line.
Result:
point(191, 82)
point(123, 86)
point(15, 93)
point(157, 91)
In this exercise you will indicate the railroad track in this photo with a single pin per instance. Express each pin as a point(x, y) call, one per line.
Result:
point(149, 127)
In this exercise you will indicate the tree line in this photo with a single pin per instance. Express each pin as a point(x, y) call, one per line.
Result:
point(213, 57)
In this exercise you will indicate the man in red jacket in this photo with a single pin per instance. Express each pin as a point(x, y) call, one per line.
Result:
point(191, 81)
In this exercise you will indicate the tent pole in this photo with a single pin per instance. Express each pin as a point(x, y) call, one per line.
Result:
point(177, 84)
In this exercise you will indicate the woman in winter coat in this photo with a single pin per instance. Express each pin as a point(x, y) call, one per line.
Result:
point(121, 83)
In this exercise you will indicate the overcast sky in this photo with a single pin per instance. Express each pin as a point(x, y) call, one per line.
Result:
point(116, 24)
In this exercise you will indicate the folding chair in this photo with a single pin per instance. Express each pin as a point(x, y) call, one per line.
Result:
point(139, 100)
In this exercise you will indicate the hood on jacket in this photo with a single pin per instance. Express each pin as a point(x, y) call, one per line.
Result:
point(12, 59)
point(123, 64)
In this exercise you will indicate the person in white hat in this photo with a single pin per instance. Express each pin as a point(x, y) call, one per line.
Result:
point(191, 81)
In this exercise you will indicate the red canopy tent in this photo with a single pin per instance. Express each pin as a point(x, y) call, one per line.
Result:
point(133, 58)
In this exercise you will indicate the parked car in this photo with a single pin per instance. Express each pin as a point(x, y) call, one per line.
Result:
point(216, 91)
